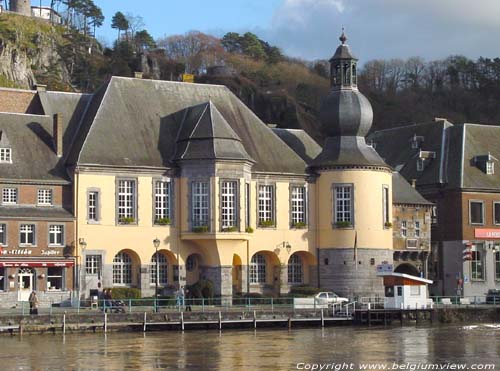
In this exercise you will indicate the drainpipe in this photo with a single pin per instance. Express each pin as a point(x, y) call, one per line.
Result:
point(248, 266)
point(316, 234)
point(76, 270)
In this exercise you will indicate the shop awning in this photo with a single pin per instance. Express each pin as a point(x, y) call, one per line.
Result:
point(37, 263)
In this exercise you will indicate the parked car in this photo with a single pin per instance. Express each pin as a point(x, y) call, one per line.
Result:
point(493, 296)
point(329, 298)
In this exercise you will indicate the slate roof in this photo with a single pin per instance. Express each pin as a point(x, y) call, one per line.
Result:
point(404, 193)
point(205, 135)
point(300, 142)
point(456, 147)
point(56, 213)
point(33, 156)
point(140, 120)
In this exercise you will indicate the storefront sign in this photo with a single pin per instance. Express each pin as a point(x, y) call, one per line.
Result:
point(19, 251)
point(38, 263)
point(487, 233)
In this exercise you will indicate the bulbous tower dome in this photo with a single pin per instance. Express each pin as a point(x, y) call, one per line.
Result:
point(345, 111)
point(346, 116)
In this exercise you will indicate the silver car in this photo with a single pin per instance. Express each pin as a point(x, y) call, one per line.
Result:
point(329, 298)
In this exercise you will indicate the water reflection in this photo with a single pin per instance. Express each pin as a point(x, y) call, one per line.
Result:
point(277, 349)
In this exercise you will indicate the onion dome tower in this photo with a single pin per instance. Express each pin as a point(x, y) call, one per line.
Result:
point(354, 188)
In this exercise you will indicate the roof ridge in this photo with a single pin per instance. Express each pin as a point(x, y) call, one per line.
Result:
point(167, 81)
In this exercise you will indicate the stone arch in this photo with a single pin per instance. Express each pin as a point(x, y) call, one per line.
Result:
point(237, 274)
point(194, 263)
point(265, 272)
point(167, 268)
point(300, 268)
point(407, 268)
point(126, 268)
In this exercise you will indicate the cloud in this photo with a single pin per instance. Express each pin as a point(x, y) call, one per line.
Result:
point(387, 28)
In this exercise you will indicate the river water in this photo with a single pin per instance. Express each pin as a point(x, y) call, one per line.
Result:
point(263, 349)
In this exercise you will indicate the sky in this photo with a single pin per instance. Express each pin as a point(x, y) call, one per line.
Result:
point(309, 29)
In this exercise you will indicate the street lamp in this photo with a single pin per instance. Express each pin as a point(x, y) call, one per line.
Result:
point(79, 270)
point(156, 243)
point(287, 246)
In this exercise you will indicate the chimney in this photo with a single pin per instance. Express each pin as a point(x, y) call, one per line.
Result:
point(413, 182)
point(138, 75)
point(57, 133)
point(40, 87)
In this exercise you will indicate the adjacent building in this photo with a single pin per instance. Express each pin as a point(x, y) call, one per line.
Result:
point(453, 166)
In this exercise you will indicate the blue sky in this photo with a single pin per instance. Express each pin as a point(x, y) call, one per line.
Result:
point(309, 29)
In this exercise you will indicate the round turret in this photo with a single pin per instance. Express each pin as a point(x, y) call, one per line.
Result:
point(21, 7)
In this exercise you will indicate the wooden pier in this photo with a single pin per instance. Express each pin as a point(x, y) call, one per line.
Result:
point(389, 316)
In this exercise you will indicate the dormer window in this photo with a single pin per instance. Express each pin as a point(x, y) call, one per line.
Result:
point(424, 157)
point(420, 164)
point(490, 168)
point(416, 141)
point(486, 163)
point(6, 155)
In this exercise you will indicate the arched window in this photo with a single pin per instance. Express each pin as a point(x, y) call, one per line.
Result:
point(191, 263)
point(354, 75)
point(122, 269)
point(162, 269)
point(258, 269)
point(295, 269)
point(346, 74)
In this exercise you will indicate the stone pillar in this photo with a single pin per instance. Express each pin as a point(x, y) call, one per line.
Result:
point(284, 286)
point(107, 275)
point(145, 281)
point(222, 278)
point(244, 278)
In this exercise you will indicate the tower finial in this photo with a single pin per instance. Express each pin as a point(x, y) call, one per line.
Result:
point(343, 37)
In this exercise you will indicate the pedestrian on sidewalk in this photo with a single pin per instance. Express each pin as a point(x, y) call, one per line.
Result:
point(33, 300)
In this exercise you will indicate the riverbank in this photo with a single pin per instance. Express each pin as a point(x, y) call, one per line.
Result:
point(97, 321)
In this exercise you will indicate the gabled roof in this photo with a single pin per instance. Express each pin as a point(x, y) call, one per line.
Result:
point(394, 146)
point(33, 156)
point(205, 135)
point(300, 142)
point(404, 193)
point(135, 122)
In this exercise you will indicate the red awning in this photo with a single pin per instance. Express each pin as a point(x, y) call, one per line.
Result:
point(37, 263)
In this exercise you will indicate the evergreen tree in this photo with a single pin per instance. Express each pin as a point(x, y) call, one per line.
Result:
point(120, 22)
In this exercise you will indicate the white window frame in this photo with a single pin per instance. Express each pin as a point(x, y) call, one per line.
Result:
point(200, 204)
point(58, 277)
point(228, 203)
point(404, 228)
point(478, 255)
point(490, 167)
point(93, 264)
point(298, 204)
point(295, 269)
point(6, 155)
point(162, 268)
point(127, 199)
point(482, 212)
point(162, 200)
point(93, 206)
point(9, 196)
point(44, 197)
point(122, 269)
point(24, 232)
point(343, 201)
point(265, 203)
point(258, 269)
point(3, 234)
point(56, 235)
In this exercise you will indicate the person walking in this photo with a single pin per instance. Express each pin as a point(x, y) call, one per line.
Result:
point(33, 300)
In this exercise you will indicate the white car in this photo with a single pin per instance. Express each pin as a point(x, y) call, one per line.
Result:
point(329, 298)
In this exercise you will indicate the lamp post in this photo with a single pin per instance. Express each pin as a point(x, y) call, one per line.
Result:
point(83, 245)
point(156, 243)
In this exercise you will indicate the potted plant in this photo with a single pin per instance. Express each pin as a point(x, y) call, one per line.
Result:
point(249, 230)
point(299, 225)
point(163, 221)
point(388, 224)
point(126, 220)
point(201, 229)
point(266, 223)
point(230, 229)
point(343, 224)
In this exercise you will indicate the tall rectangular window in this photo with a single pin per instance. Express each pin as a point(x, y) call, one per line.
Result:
point(404, 230)
point(93, 264)
point(385, 205)
point(9, 196)
point(6, 155)
point(343, 204)
point(44, 197)
point(476, 212)
point(3, 234)
point(228, 204)
point(477, 265)
point(298, 205)
point(247, 205)
point(162, 202)
point(55, 278)
point(56, 235)
point(93, 206)
point(266, 205)
point(27, 234)
point(200, 204)
point(126, 201)
point(497, 265)
point(496, 212)
point(417, 228)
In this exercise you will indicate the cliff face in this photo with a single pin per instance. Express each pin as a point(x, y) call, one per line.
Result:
point(29, 52)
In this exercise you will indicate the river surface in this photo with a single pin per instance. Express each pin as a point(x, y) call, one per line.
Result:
point(263, 349)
